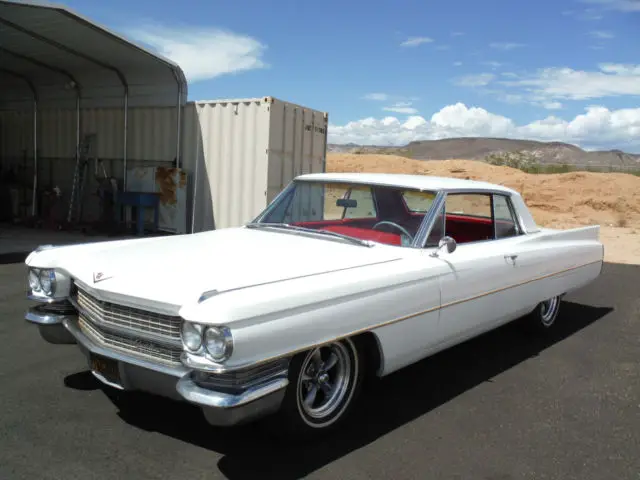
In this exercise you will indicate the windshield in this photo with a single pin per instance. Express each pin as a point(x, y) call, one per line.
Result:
point(388, 215)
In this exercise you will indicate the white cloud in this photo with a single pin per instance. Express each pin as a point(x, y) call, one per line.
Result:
point(598, 127)
point(506, 45)
point(601, 35)
point(565, 83)
point(552, 105)
point(443, 47)
point(478, 80)
point(415, 41)
point(457, 64)
point(203, 53)
point(493, 64)
point(402, 107)
point(378, 97)
point(589, 14)
point(457, 34)
point(620, 5)
point(621, 69)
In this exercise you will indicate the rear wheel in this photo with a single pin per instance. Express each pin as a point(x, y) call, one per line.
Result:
point(324, 384)
point(545, 314)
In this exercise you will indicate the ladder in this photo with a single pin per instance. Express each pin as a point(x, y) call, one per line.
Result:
point(79, 179)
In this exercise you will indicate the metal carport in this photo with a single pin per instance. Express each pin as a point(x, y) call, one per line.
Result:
point(52, 57)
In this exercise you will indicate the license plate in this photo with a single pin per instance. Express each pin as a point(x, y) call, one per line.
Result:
point(106, 367)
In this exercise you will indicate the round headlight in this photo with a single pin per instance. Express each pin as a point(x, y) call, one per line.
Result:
point(48, 281)
point(192, 336)
point(218, 342)
point(34, 281)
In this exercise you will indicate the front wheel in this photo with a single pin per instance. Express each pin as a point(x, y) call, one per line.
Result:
point(545, 314)
point(324, 384)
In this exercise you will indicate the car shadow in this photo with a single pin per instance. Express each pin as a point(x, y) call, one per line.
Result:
point(250, 451)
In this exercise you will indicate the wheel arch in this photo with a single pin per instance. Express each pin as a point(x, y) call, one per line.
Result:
point(372, 349)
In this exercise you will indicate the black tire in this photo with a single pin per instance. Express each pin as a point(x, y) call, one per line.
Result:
point(544, 316)
point(328, 408)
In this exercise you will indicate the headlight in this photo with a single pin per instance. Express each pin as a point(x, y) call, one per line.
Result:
point(218, 342)
point(34, 281)
point(48, 281)
point(192, 336)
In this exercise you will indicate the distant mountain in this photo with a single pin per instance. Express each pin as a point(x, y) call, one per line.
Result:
point(476, 148)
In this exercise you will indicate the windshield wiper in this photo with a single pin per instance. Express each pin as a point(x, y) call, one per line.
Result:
point(286, 226)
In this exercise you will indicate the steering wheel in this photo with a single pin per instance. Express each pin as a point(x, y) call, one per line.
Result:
point(393, 224)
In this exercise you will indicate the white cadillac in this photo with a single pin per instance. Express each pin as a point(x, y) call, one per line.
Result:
point(342, 275)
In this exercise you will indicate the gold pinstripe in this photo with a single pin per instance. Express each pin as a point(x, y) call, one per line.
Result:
point(400, 319)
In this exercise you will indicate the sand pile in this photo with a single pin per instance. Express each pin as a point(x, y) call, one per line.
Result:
point(556, 200)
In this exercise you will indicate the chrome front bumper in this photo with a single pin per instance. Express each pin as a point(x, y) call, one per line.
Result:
point(175, 382)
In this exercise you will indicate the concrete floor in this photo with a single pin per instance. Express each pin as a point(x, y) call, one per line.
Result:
point(17, 241)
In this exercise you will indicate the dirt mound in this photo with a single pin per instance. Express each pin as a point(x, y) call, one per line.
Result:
point(556, 200)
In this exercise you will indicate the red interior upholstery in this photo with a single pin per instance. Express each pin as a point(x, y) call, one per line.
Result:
point(465, 229)
point(461, 228)
point(366, 234)
point(356, 227)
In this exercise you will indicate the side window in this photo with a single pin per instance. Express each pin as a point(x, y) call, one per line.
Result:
point(363, 207)
point(418, 202)
point(468, 217)
point(506, 225)
point(469, 205)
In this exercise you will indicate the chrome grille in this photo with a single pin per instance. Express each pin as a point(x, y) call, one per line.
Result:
point(142, 348)
point(120, 317)
point(150, 335)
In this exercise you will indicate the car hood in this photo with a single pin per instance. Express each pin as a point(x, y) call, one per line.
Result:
point(176, 270)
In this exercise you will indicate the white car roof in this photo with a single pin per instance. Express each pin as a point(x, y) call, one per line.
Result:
point(420, 182)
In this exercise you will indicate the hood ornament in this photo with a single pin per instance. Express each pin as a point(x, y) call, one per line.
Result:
point(99, 276)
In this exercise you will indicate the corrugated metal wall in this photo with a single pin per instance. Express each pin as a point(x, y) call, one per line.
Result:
point(151, 138)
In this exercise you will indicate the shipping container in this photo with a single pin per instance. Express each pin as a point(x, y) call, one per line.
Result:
point(241, 153)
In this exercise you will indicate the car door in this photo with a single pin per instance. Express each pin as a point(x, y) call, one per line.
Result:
point(475, 292)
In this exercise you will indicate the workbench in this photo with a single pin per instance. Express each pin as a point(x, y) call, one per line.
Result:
point(140, 201)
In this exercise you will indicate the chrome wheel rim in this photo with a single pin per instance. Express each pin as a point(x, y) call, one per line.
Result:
point(548, 311)
point(324, 380)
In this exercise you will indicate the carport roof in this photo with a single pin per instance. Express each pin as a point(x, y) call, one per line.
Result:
point(48, 48)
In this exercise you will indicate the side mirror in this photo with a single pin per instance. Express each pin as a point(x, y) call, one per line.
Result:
point(445, 243)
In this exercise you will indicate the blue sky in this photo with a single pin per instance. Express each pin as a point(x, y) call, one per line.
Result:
point(391, 72)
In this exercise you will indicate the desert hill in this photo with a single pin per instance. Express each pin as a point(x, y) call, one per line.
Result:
point(575, 198)
point(476, 148)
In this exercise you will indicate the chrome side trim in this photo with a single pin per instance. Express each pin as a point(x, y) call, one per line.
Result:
point(209, 398)
point(71, 325)
point(368, 328)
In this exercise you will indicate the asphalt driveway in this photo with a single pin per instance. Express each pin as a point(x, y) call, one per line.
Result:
point(503, 406)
